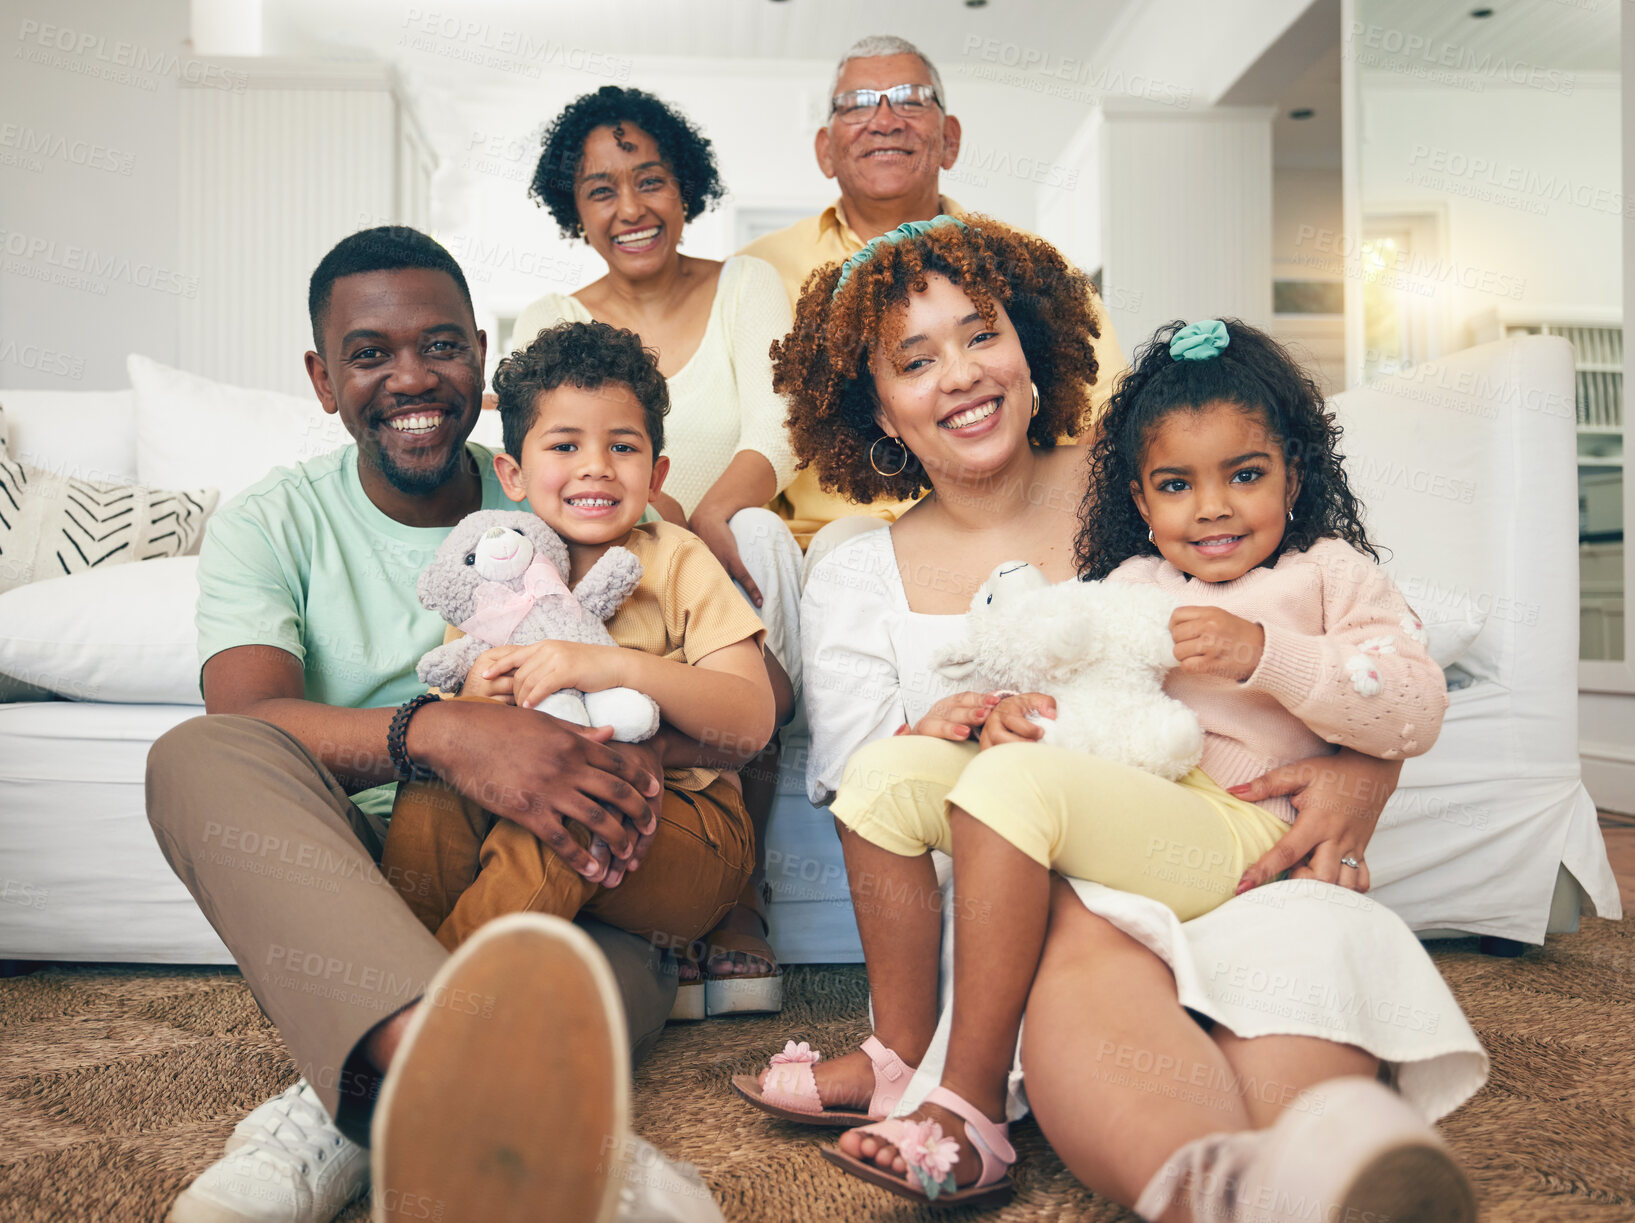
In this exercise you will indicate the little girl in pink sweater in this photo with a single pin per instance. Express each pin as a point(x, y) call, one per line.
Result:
point(1216, 477)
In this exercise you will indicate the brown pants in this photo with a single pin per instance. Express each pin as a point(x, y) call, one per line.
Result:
point(284, 866)
point(458, 866)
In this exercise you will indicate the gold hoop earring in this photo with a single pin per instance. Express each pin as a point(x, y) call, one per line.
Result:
point(1035, 411)
point(901, 467)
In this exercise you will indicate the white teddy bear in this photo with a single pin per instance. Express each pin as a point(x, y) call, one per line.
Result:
point(1100, 649)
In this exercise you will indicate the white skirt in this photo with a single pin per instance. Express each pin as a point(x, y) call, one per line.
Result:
point(1294, 958)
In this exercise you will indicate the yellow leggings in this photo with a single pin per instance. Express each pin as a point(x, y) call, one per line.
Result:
point(1185, 844)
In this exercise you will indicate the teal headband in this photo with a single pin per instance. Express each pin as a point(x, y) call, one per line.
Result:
point(1200, 341)
point(908, 229)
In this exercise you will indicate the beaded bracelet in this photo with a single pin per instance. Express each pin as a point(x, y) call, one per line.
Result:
point(397, 734)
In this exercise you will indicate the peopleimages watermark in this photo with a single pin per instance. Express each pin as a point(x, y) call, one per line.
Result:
point(503, 156)
point(1510, 186)
point(480, 258)
point(20, 892)
point(31, 148)
point(1063, 76)
point(1446, 63)
point(118, 60)
point(1400, 268)
point(83, 267)
point(978, 166)
point(42, 360)
point(505, 49)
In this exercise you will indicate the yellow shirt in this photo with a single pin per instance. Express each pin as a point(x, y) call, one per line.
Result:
point(685, 608)
point(796, 252)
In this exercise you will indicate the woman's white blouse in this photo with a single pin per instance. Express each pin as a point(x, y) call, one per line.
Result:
point(721, 401)
point(869, 662)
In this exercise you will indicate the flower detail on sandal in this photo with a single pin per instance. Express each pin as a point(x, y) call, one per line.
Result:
point(796, 1055)
point(929, 1155)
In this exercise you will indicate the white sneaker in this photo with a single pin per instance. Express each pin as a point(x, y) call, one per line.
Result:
point(653, 1189)
point(284, 1163)
point(508, 1098)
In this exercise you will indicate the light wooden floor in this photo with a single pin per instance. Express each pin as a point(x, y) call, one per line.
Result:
point(1619, 831)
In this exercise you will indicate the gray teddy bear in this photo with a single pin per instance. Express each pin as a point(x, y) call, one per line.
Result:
point(499, 577)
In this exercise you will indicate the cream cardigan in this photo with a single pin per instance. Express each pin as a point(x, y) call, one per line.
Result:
point(721, 401)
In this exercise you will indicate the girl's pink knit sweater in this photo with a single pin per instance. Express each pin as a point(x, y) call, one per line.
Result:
point(1344, 665)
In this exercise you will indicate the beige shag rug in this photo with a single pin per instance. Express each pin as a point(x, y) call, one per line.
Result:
point(118, 1084)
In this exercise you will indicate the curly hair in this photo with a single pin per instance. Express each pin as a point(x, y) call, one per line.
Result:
point(685, 150)
point(1254, 373)
point(822, 365)
point(589, 355)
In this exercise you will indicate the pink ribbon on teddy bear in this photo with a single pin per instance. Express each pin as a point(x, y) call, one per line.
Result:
point(500, 609)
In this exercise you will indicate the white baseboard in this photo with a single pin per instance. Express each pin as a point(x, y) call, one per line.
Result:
point(1609, 775)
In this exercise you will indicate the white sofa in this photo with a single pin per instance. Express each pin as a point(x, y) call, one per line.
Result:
point(1467, 469)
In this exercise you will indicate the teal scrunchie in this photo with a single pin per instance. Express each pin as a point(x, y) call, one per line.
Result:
point(1200, 341)
point(908, 229)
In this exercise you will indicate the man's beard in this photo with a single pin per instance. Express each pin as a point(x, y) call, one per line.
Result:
point(418, 481)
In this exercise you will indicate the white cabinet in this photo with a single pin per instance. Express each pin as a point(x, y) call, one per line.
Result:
point(274, 171)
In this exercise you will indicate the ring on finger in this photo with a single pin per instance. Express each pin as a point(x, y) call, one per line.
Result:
point(1350, 861)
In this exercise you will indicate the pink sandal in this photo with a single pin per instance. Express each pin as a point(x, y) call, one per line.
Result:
point(790, 1091)
point(931, 1157)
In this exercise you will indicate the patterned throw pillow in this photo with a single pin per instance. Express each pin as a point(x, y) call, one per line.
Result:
point(52, 524)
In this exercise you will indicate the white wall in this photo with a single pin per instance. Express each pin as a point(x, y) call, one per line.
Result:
point(1529, 179)
point(1304, 201)
point(1606, 720)
point(1310, 198)
point(1186, 217)
point(1200, 48)
point(88, 164)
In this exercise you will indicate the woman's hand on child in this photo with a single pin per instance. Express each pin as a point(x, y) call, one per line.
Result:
point(1010, 721)
point(955, 717)
point(545, 667)
point(1209, 641)
point(1337, 800)
point(711, 526)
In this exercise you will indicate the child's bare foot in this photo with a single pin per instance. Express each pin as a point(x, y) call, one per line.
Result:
point(845, 1082)
point(872, 1148)
point(800, 1085)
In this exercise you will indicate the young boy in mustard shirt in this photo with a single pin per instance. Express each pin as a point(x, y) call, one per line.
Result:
point(583, 411)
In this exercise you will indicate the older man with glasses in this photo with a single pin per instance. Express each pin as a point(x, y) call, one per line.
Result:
point(888, 139)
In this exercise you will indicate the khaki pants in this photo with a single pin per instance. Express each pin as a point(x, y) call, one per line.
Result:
point(284, 866)
point(458, 866)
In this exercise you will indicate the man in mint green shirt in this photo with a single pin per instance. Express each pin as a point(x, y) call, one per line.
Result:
point(309, 633)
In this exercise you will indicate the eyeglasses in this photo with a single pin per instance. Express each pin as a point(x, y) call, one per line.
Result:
point(906, 101)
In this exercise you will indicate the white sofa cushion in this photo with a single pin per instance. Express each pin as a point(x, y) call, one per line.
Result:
point(52, 525)
point(1450, 628)
point(124, 634)
point(191, 429)
point(90, 435)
